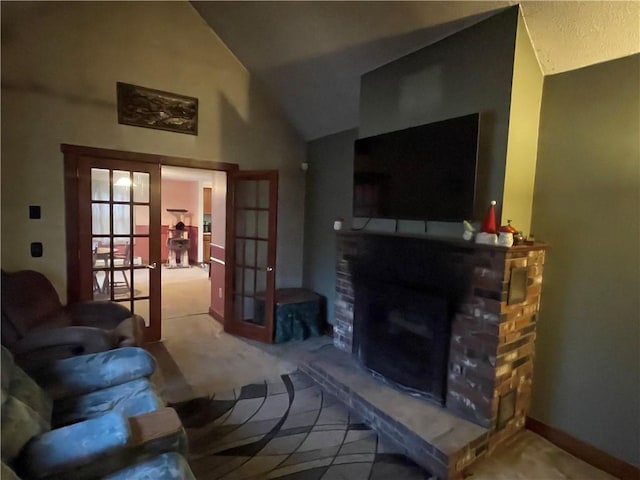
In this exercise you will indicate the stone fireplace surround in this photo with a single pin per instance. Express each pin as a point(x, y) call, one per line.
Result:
point(490, 361)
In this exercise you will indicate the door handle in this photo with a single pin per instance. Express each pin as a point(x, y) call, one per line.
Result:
point(152, 266)
point(269, 269)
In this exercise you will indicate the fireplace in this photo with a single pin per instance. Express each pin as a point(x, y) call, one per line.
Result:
point(403, 309)
point(402, 335)
point(396, 294)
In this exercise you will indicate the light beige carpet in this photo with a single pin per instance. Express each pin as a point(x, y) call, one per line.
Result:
point(185, 291)
point(528, 456)
point(198, 359)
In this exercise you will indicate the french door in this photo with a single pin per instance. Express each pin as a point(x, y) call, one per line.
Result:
point(252, 198)
point(118, 236)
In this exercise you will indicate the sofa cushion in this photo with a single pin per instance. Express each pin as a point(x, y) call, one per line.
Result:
point(20, 423)
point(88, 373)
point(168, 466)
point(20, 313)
point(130, 332)
point(25, 389)
point(16, 383)
point(26, 409)
point(129, 399)
point(6, 366)
point(66, 451)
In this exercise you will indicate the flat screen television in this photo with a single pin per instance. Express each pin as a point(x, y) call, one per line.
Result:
point(426, 172)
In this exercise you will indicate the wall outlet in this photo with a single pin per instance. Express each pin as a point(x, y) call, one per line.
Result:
point(219, 292)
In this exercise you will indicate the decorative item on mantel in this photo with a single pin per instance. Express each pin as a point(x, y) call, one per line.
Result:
point(507, 234)
point(469, 231)
point(487, 234)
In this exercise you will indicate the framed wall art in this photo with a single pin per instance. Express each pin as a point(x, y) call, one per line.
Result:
point(150, 108)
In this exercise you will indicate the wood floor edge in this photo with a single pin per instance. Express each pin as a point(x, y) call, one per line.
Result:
point(590, 454)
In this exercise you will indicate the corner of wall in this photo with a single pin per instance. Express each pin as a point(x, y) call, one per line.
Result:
point(522, 141)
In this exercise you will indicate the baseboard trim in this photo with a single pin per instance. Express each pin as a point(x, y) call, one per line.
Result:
point(216, 315)
point(584, 451)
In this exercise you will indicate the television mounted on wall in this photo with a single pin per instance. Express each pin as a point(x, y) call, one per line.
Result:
point(427, 172)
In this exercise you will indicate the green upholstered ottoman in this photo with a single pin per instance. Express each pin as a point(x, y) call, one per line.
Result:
point(297, 314)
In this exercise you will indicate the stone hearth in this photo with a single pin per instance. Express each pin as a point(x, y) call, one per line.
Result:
point(430, 435)
point(490, 361)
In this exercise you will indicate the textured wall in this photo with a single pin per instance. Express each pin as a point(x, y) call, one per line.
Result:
point(570, 35)
point(587, 206)
point(60, 65)
point(328, 196)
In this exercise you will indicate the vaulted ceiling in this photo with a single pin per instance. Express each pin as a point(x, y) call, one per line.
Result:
point(310, 55)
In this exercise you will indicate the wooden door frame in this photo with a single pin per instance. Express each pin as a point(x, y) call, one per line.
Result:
point(239, 327)
point(72, 158)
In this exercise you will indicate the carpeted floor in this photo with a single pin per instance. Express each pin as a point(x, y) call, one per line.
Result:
point(185, 291)
point(289, 429)
point(196, 358)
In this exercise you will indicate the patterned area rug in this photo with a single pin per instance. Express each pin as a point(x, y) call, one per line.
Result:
point(286, 429)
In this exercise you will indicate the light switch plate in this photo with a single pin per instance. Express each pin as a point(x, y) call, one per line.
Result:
point(36, 249)
point(34, 211)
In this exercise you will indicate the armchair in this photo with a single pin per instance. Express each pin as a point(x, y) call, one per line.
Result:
point(35, 322)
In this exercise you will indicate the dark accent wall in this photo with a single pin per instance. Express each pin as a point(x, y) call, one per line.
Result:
point(470, 71)
point(328, 195)
point(587, 206)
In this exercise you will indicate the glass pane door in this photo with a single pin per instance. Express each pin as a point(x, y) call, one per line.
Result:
point(120, 237)
point(119, 219)
point(252, 241)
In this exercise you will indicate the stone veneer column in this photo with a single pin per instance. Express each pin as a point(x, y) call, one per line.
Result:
point(492, 343)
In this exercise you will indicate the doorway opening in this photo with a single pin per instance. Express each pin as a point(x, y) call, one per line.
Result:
point(113, 220)
point(193, 229)
point(124, 189)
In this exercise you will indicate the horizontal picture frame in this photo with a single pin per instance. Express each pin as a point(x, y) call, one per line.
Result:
point(150, 108)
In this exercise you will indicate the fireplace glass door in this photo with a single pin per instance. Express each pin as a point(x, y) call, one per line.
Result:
point(402, 334)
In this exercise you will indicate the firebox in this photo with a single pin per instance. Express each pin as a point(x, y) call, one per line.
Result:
point(403, 307)
point(402, 334)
